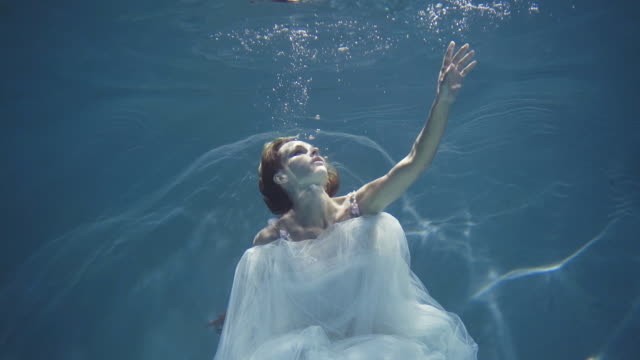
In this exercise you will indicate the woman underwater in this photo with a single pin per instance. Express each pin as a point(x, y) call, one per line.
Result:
point(330, 278)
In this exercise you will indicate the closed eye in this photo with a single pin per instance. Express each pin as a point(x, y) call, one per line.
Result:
point(298, 150)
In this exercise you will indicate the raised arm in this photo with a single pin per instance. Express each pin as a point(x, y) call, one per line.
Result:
point(378, 194)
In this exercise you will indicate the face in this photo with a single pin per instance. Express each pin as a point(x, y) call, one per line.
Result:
point(303, 161)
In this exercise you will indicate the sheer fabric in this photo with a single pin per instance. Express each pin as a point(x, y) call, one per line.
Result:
point(348, 295)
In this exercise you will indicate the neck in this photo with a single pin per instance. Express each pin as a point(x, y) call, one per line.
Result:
point(312, 207)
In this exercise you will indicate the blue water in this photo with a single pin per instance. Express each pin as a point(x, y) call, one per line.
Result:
point(132, 132)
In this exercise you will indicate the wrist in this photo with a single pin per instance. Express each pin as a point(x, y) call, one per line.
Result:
point(444, 98)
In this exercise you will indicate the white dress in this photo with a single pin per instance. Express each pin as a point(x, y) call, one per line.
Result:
point(347, 295)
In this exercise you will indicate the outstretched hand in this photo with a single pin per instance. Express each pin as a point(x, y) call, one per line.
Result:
point(454, 69)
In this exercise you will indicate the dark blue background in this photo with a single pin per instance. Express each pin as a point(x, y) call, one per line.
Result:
point(132, 131)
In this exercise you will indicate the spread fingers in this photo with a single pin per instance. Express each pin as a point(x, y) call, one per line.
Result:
point(466, 70)
point(460, 53)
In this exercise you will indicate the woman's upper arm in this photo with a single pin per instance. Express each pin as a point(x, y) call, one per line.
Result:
point(266, 236)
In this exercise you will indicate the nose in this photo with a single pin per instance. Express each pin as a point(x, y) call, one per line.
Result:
point(315, 152)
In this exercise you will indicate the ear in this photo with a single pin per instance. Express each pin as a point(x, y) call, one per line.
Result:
point(280, 178)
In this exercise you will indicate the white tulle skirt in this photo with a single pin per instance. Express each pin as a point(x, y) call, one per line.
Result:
point(349, 294)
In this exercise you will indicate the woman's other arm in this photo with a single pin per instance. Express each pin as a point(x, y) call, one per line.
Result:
point(378, 194)
point(266, 235)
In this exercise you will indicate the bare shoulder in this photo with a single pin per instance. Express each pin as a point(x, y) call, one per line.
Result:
point(266, 235)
